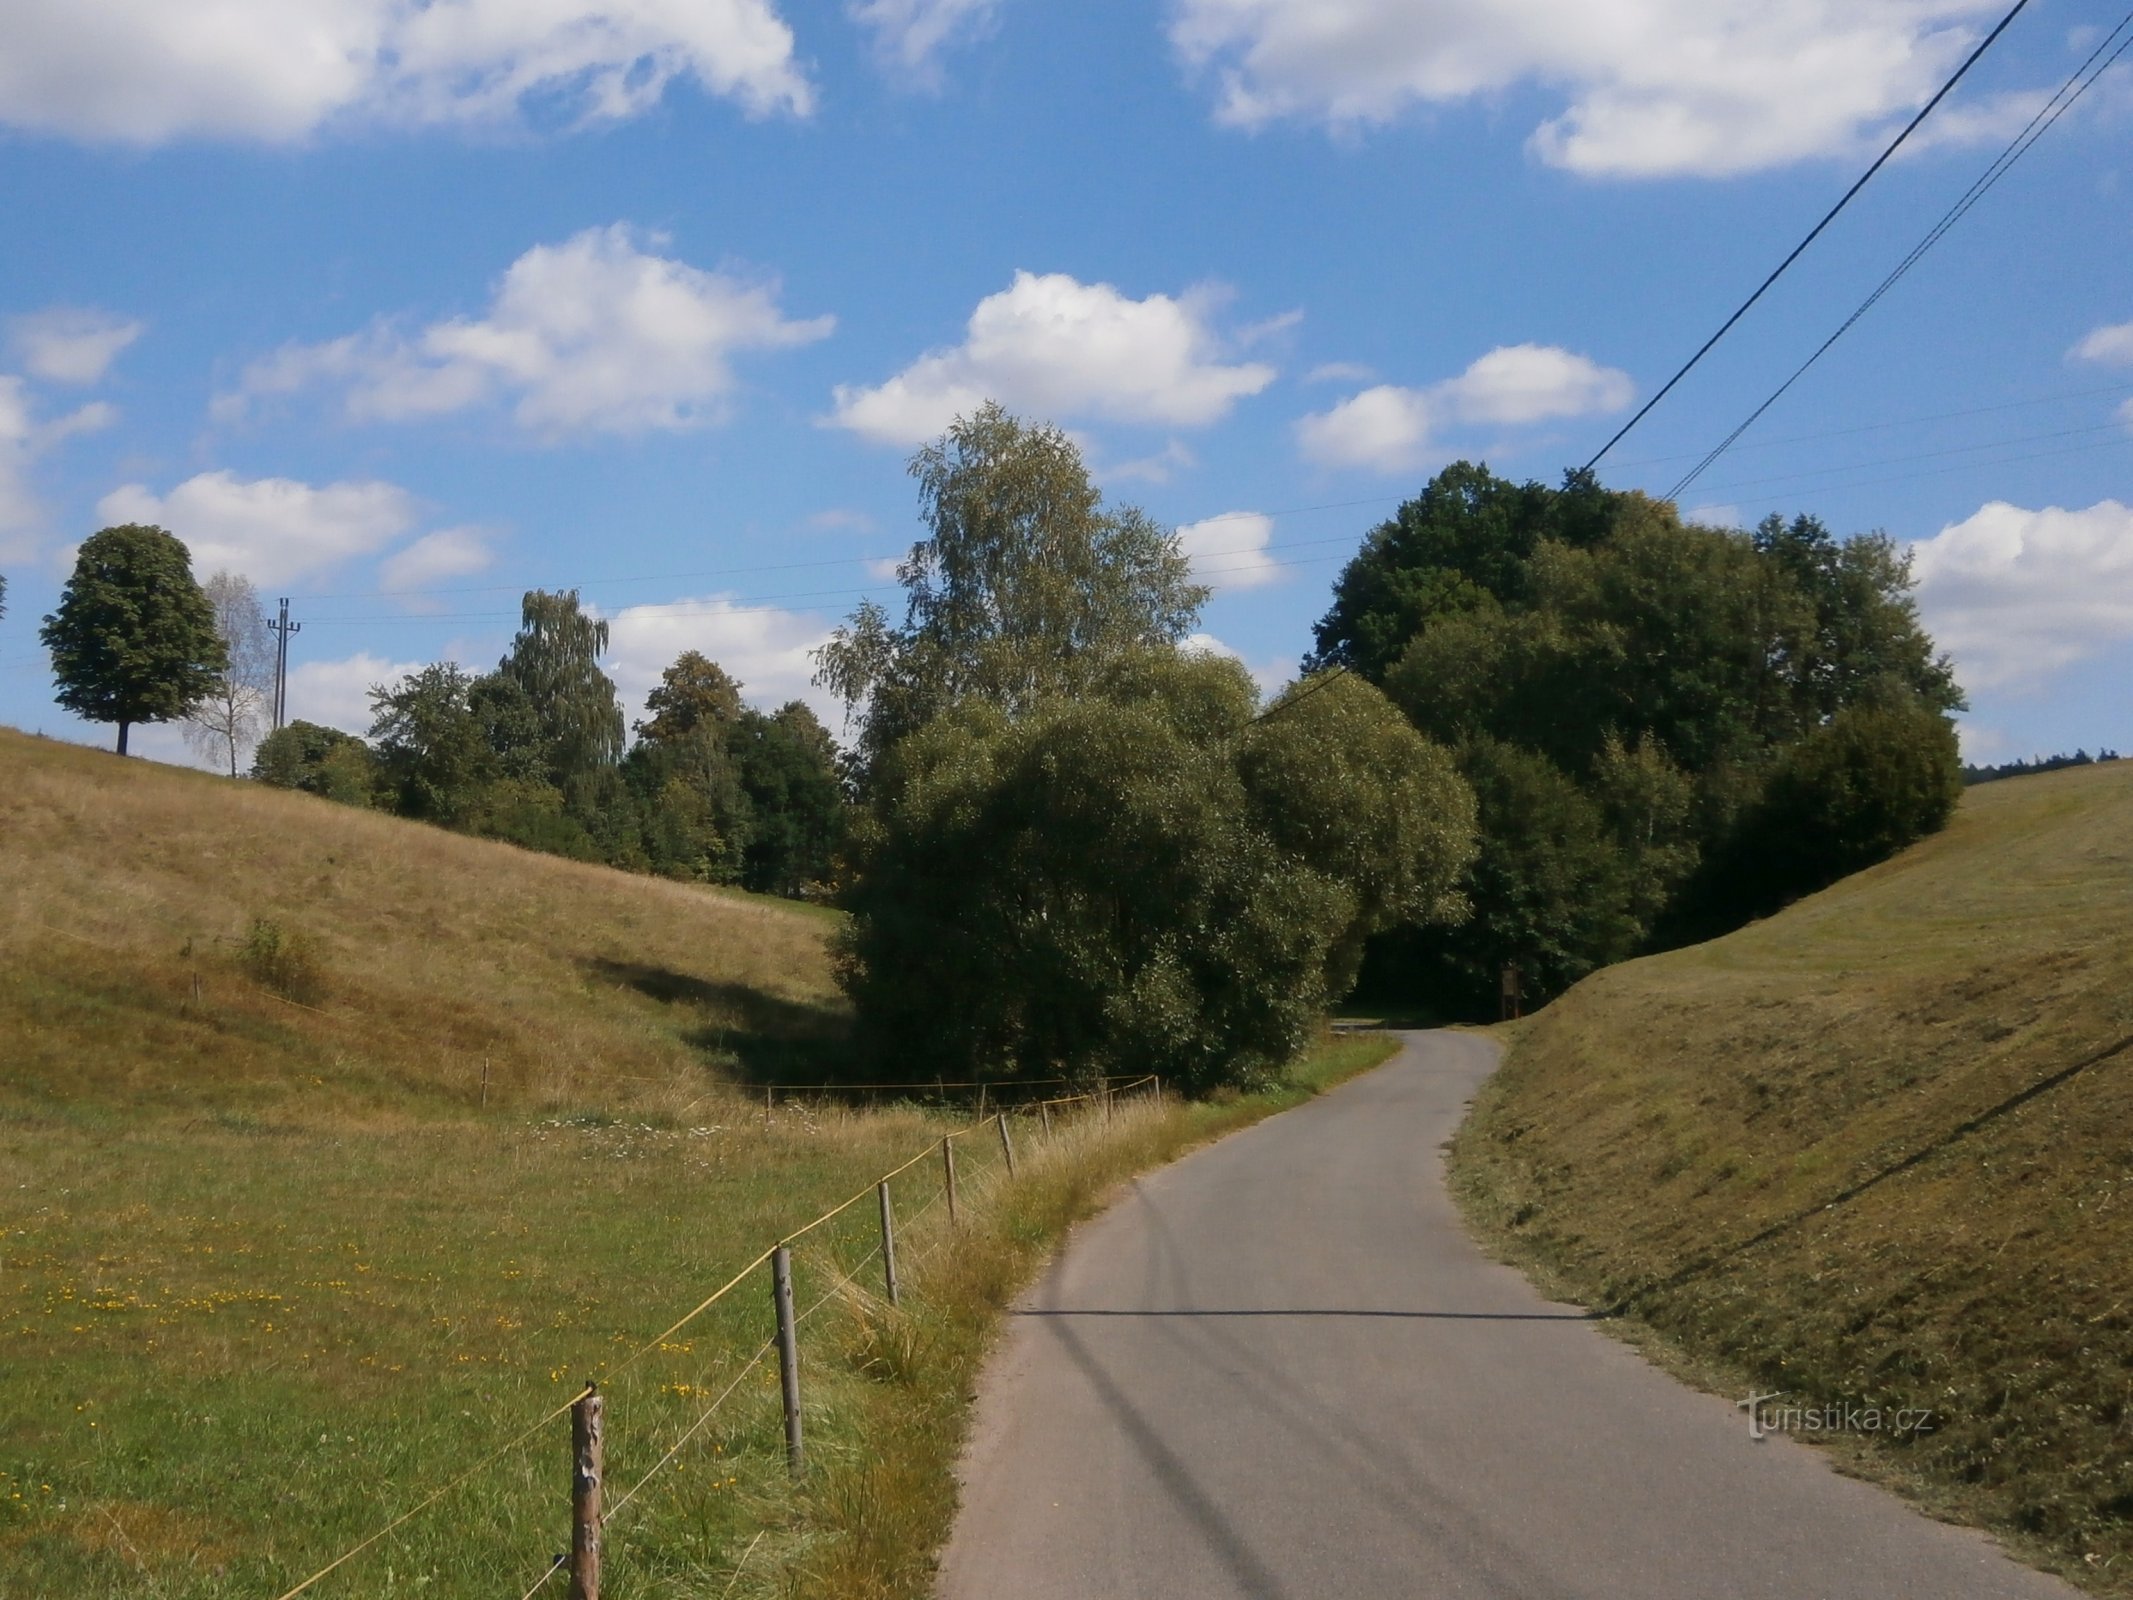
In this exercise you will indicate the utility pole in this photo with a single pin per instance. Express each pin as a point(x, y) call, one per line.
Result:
point(282, 627)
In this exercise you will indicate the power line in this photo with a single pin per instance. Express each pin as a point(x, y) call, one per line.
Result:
point(1813, 233)
point(2051, 111)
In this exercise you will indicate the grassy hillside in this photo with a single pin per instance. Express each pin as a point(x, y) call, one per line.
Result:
point(271, 1268)
point(1875, 1149)
point(129, 891)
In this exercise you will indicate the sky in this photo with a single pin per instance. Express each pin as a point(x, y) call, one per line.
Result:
point(401, 308)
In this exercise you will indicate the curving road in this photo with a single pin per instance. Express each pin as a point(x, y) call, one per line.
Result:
point(1280, 1369)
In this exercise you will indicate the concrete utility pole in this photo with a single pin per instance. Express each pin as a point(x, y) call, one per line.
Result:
point(282, 627)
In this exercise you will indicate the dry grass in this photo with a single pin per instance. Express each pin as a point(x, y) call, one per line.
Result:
point(129, 893)
point(1841, 1154)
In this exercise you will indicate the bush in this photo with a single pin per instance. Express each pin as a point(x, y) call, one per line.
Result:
point(318, 760)
point(283, 960)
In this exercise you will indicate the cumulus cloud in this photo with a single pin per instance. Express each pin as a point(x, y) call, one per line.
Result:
point(768, 649)
point(1648, 87)
point(2016, 595)
point(271, 530)
point(2112, 344)
point(1388, 428)
point(1229, 550)
point(436, 557)
point(910, 35)
point(146, 71)
point(594, 335)
point(23, 439)
point(70, 344)
point(1268, 675)
point(1060, 349)
point(337, 693)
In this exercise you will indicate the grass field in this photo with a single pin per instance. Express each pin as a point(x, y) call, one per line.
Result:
point(1877, 1149)
point(276, 1268)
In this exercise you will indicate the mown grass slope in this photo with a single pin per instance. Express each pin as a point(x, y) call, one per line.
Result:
point(271, 1269)
point(1875, 1149)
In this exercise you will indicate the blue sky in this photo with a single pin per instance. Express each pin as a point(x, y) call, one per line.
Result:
point(401, 308)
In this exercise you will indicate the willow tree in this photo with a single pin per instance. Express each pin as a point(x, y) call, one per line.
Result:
point(555, 660)
point(1025, 588)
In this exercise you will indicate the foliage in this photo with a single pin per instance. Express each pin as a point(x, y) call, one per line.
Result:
point(555, 662)
point(133, 639)
point(787, 766)
point(1856, 790)
point(318, 760)
point(1027, 588)
point(283, 960)
point(1095, 885)
point(225, 722)
point(431, 746)
point(1661, 670)
point(694, 692)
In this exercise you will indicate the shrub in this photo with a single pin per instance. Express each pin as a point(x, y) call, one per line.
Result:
point(282, 960)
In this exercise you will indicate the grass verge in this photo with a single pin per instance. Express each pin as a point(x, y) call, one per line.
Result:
point(1871, 1152)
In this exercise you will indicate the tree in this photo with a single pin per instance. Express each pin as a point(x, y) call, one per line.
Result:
point(1025, 589)
point(318, 760)
point(694, 692)
point(555, 660)
point(787, 766)
point(225, 722)
point(134, 638)
point(433, 754)
point(1097, 883)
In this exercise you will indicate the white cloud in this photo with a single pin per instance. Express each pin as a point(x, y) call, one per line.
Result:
point(1229, 550)
point(435, 557)
point(842, 519)
point(767, 649)
point(1339, 372)
point(909, 35)
point(2112, 343)
point(1060, 349)
point(1174, 458)
point(337, 693)
point(1715, 516)
point(1649, 87)
point(146, 71)
point(270, 530)
point(23, 438)
point(2016, 595)
point(70, 344)
point(1392, 429)
point(592, 335)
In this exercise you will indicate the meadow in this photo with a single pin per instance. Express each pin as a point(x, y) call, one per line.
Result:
point(291, 1240)
point(1872, 1150)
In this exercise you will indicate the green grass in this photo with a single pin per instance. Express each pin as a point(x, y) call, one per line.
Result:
point(1853, 1154)
point(274, 1271)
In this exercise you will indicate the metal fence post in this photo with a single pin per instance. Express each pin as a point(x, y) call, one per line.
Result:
point(587, 1455)
point(888, 1241)
point(1007, 1144)
point(788, 1356)
point(948, 1166)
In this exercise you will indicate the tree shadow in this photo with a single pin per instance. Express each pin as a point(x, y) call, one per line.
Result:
point(761, 1039)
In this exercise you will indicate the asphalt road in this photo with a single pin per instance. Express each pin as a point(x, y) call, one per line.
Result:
point(1280, 1369)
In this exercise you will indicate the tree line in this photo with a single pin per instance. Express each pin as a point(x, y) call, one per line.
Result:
point(1542, 728)
point(1990, 773)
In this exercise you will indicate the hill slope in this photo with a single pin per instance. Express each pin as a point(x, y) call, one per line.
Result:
point(1876, 1149)
point(122, 883)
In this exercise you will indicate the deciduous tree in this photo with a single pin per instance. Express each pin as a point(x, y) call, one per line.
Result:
point(227, 721)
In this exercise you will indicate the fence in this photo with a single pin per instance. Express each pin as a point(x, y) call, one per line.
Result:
point(591, 1514)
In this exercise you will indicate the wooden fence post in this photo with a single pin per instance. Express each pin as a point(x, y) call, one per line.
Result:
point(1007, 1144)
point(888, 1241)
point(587, 1458)
point(948, 1167)
point(1044, 1110)
point(788, 1356)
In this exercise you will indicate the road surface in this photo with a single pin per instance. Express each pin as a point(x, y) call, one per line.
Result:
point(1280, 1369)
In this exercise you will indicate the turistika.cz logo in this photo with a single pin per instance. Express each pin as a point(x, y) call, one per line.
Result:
point(1767, 1414)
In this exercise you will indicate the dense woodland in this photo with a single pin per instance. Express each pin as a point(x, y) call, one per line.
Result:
point(1542, 728)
